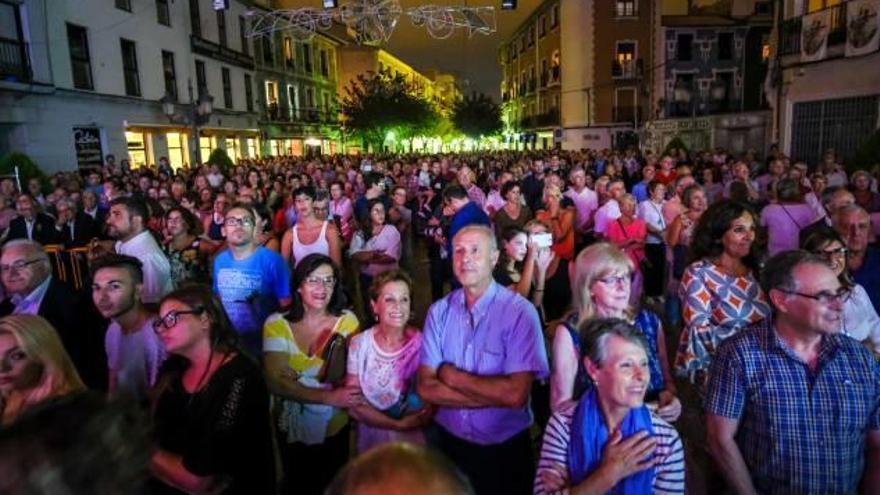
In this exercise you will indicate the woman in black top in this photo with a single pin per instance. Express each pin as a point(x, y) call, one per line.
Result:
point(211, 412)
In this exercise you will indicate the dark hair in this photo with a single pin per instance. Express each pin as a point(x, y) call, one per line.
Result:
point(829, 192)
point(373, 178)
point(394, 275)
point(688, 194)
point(193, 226)
point(454, 191)
point(712, 226)
point(199, 297)
point(238, 205)
point(506, 236)
point(820, 237)
point(788, 190)
point(308, 191)
point(778, 271)
point(507, 187)
point(132, 265)
point(261, 212)
point(366, 222)
point(411, 465)
point(653, 185)
point(134, 206)
point(595, 332)
point(305, 267)
point(739, 191)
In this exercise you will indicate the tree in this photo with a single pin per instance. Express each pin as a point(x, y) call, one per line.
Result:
point(477, 115)
point(27, 169)
point(675, 144)
point(378, 103)
point(220, 158)
point(868, 155)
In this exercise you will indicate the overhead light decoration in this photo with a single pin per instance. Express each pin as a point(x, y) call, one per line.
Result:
point(373, 21)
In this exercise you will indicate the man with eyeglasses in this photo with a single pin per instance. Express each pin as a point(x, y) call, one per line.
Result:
point(134, 351)
point(792, 405)
point(853, 223)
point(127, 224)
point(251, 281)
point(26, 274)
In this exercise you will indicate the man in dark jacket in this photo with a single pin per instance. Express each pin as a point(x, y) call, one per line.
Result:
point(75, 228)
point(31, 224)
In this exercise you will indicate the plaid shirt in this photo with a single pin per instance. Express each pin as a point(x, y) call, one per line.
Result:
point(800, 431)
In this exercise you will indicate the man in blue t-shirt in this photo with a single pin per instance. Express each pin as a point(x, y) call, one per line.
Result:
point(251, 281)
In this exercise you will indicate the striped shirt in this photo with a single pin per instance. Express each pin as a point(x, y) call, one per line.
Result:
point(800, 430)
point(668, 472)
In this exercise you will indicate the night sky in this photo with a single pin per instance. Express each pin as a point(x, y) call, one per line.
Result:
point(474, 60)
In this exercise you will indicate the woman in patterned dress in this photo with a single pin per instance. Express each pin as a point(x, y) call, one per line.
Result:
point(187, 252)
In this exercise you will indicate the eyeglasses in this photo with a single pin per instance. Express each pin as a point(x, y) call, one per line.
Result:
point(615, 279)
point(17, 266)
point(841, 296)
point(238, 222)
point(328, 281)
point(170, 319)
point(841, 251)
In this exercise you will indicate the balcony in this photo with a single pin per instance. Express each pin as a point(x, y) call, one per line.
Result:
point(14, 64)
point(308, 115)
point(532, 84)
point(554, 75)
point(790, 31)
point(549, 119)
point(627, 114)
point(628, 69)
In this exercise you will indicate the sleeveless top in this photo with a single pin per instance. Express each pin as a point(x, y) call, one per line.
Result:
point(320, 245)
point(214, 232)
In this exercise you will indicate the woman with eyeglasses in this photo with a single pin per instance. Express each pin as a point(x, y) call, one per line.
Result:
point(376, 246)
point(211, 408)
point(719, 290)
point(312, 417)
point(310, 234)
point(186, 250)
point(34, 367)
point(601, 289)
point(860, 319)
point(382, 364)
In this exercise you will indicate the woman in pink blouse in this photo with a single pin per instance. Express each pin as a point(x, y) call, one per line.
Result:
point(629, 234)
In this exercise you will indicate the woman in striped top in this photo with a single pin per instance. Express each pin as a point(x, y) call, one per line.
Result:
point(609, 441)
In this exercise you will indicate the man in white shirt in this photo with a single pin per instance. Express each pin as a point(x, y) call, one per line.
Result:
point(126, 223)
point(585, 200)
point(610, 211)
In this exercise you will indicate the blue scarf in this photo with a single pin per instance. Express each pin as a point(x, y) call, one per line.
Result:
point(589, 435)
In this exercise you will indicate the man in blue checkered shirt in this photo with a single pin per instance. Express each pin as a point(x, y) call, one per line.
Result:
point(793, 406)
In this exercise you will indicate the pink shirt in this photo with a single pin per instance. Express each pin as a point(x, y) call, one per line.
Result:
point(784, 223)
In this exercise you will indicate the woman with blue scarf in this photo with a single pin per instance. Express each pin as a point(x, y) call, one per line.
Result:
point(609, 442)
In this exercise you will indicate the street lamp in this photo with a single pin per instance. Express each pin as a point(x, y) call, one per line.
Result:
point(194, 114)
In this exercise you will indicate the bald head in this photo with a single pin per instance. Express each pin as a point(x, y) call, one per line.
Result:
point(400, 469)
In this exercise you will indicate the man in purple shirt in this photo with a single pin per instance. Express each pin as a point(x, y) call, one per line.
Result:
point(481, 349)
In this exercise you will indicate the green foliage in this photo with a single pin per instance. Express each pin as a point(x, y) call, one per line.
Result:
point(477, 115)
point(27, 169)
point(220, 158)
point(676, 143)
point(376, 103)
point(868, 155)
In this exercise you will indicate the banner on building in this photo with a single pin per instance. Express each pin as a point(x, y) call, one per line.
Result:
point(862, 27)
point(814, 35)
point(88, 148)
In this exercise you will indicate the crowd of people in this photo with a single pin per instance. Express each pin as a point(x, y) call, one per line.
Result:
point(598, 322)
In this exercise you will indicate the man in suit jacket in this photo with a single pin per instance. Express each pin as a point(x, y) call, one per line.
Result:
point(75, 228)
point(26, 274)
point(92, 208)
point(31, 224)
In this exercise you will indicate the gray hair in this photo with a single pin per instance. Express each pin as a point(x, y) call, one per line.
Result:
point(486, 231)
point(33, 247)
point(596, 332)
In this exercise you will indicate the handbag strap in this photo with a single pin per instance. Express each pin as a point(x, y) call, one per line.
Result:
point(790, 217)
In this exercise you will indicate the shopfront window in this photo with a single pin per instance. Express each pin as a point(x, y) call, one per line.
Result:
point(138, 149)
point(233, 149)
point(177, 152)
point(206, 146)
point(252, 147)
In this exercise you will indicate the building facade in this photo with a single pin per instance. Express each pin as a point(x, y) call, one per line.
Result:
point(90, 77)
point(577, 74)
point(712, 61)
point(828, 91)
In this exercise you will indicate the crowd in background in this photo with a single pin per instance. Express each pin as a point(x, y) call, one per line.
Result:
point(596, 322)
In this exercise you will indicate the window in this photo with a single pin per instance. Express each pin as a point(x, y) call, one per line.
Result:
point(169, 74)
point(554, 66)
point(271, 92)
point(325, 67)
point(307, 57)
point(815, 5)
point(624, 60)
point(123, 5)
point(554, 16)
point(176, 149)
point(138, 152)
point(195, 19)
point(221, 27)
point(201, 78)
point(725, 46)
point(684, 49)
point(163, 15)
point(206, 146)
point(292, 101)
point(130, 68)
point(765, 48)
point(288, 51)
point(233, 149)
point(626, 8)
point(248, 93)
point(252, 147)
point(227, 88)
point(266, 46)
point(242, 33)
point(80, 63)
point(542, 26)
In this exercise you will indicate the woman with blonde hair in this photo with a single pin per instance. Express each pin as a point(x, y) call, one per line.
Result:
point(34, 366)
point(600, 287)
